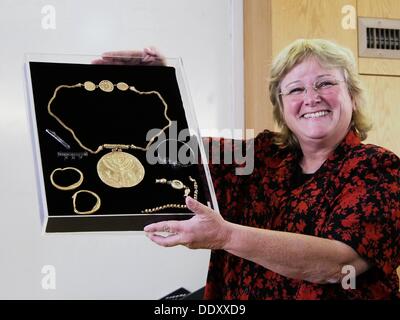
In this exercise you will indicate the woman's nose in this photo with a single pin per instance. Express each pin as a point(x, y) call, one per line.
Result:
point(311, 95)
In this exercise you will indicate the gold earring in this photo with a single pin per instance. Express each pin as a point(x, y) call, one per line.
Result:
point(70, 187)
point(95, 207)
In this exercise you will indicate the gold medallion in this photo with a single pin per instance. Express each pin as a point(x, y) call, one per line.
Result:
point(89, 86)
point(106, 86)
point(119, 169)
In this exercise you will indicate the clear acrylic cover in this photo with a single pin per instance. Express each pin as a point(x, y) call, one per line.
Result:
point(116, 142)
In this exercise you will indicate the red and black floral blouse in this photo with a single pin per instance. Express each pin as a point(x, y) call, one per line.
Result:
point(354, 198)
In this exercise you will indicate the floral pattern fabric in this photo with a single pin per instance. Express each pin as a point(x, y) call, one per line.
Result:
point(354, 198)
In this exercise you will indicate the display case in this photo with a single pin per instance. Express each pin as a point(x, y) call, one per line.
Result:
point(116, 145)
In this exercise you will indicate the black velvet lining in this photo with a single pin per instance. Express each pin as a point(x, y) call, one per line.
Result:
point(118, 117)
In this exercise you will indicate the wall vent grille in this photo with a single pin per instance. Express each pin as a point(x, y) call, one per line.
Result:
point(379, 38)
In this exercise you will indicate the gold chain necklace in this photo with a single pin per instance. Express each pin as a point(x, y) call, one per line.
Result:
point(117, 169)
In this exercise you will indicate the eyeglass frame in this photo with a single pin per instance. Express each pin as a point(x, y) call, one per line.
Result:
point(313, 86)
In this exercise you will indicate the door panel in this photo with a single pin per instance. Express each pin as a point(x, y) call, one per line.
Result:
point(384, 111)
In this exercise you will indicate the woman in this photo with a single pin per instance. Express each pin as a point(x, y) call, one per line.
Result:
point(319, 207)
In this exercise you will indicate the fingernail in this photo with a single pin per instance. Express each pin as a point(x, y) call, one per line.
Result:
point(150, 50)
point(189, 202)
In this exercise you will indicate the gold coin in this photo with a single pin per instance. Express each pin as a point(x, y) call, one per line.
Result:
point(106, 86)
point(122, 86)
point(120, 170)
point(89, 86)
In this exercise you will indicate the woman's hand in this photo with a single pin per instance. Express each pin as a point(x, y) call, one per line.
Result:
point(205, 230)
point(148, 56)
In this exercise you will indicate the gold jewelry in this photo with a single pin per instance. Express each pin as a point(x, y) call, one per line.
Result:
point(117, 169)
point(165, 206)
point(120, 169)
point(70, 187)
point(195, 187)
point(176, 184)
point(95, 207)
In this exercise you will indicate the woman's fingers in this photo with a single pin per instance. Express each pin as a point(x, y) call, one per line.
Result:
point(163, 226)
point(148, 56)
point(197, 207)
point(165, 241)
point(120, 57)
point(165, 233)
point(114, 62)
point(123, 54)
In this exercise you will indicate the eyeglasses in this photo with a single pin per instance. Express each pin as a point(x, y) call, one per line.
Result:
point(321, 86)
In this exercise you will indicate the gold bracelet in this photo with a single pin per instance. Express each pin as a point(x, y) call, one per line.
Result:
point(165, 206)
point(176, 184)
point(70, 187)
point(195, 187)
point(95, 207)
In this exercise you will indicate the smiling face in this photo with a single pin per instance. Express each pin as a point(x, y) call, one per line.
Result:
point(321, 117)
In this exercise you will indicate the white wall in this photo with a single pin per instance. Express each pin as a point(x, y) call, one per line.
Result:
point(106, 266)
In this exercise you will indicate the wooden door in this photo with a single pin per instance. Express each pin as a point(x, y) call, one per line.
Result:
point(383, 109)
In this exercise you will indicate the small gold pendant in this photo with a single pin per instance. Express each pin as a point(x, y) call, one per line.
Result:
point(106, 86)
point(119, 169)
point(89, 86)
point(122, 86)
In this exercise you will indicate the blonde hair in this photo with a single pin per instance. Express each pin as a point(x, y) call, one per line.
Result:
point(330, 55)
